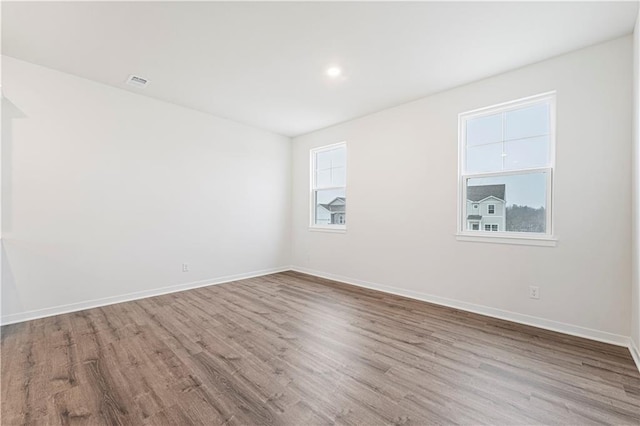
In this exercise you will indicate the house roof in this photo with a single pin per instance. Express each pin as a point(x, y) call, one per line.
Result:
point(336, 206)
point(480, 192)
point(474, 217)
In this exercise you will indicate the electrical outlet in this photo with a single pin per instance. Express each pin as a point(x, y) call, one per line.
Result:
point(185, 267)
point(534, 292)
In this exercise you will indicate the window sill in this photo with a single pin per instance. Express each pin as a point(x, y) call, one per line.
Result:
point(504, 239)
point(334, 230)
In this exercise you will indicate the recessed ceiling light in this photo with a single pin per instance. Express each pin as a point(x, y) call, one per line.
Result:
point(333, 71)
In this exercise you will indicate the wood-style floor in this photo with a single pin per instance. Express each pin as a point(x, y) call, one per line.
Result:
point(296, 350)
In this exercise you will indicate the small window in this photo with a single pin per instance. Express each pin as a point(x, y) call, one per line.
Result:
point(329, 186)
point(506, 158)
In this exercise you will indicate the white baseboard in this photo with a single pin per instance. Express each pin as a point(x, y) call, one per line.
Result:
point(635, 353)
point(95, 303)
point(574, 330)
point(546, 324)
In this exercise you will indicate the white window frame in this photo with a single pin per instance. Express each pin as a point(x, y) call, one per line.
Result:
point(313, 188)
point(526, 238)
point(491, 207)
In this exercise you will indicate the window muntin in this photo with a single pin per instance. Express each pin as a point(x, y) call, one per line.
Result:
point(506, 158)
point(328, 186)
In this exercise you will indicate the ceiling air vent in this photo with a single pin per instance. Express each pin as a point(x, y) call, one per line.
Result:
point(136, 81)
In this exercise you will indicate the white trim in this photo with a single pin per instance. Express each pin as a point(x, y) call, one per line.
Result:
point(515, 172)
point(635, 353)
point(503, 233)
point(483, 236)
point(328, 188)
point(463, 175)
point(313, 152)
point(336, 229)
point(95, 303)
point(573, 330)
point(328, 147)
point(510, 105)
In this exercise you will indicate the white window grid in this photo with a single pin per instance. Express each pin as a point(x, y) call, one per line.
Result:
point(463, 176)
point(315, 188)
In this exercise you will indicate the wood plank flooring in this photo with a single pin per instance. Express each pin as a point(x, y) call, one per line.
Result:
point(290, 349)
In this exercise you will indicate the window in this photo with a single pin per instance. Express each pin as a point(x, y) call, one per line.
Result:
point(506, 160)
point(328, 187)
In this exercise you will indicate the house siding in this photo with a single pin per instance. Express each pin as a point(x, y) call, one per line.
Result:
point(498, 218)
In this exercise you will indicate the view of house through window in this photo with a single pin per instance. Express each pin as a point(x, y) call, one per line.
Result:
point(506, 166)
point(328, 186)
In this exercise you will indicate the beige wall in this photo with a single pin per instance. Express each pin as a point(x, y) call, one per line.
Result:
point(107, 193)
point(408, 154)
point(635, 291)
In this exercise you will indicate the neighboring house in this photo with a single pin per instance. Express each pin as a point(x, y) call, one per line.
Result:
point(486, 208)
point(333, 213)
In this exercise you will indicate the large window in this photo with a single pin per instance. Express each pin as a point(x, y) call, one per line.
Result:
point(329, 187)
point(506, 165)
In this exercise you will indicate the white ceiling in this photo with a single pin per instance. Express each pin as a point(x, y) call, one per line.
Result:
point(263, 63)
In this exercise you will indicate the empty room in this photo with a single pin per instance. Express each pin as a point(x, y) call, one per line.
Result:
point(310, 213)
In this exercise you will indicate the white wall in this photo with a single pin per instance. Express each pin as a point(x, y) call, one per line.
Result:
point(635, 252)
point(402, 158)
point(107, 193)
